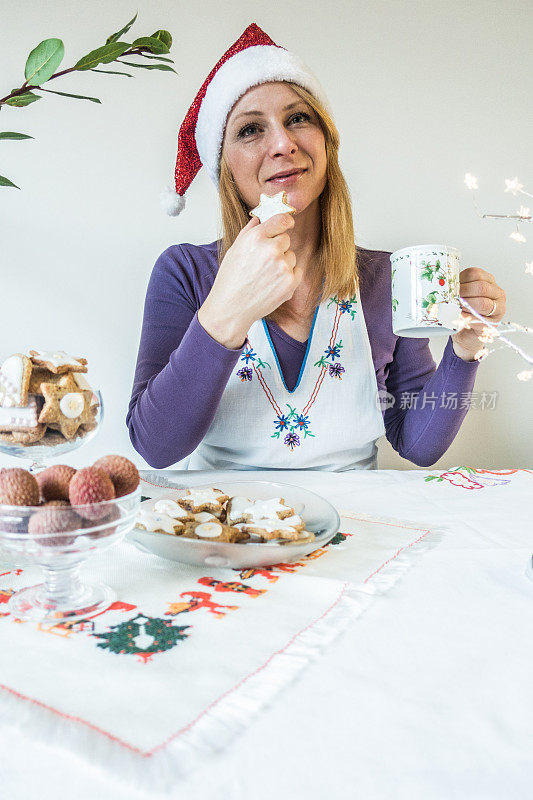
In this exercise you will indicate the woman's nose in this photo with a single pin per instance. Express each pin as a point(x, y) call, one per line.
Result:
point(281, 142)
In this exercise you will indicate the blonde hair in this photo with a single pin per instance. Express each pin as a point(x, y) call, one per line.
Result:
point(336, 256)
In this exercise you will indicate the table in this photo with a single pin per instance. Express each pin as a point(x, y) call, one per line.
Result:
point(427, 694)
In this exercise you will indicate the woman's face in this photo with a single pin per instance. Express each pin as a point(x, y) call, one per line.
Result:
point(270, 130)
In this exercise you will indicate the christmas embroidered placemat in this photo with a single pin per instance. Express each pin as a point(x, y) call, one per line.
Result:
point(186, 655)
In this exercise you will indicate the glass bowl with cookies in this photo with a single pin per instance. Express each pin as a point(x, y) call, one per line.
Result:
point(55, 521)
point(47, 406)
point(240, 524)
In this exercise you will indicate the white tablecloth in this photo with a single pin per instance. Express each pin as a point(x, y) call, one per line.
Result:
point(427, 695)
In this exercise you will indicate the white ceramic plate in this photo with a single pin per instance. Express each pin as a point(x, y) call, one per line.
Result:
point(318, 514)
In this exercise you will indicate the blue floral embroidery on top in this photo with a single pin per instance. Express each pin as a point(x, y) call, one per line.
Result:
point(346, 306)
point(334, 351)
point(295, 423)
point(249, 355)
point(292, 422)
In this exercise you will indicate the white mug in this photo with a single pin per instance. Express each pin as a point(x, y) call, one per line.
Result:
point(425, 287)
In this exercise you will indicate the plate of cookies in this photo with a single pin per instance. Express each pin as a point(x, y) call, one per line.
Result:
point(239, 525)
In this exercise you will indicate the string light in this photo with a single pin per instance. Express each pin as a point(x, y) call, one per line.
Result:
point(490, 331)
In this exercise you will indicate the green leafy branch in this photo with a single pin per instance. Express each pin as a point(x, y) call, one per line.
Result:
point(44, 59)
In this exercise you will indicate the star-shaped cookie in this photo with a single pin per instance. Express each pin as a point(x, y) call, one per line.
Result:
point(269, 206)
point(66, 406)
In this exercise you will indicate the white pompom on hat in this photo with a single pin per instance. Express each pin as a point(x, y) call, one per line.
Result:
point(252, 60)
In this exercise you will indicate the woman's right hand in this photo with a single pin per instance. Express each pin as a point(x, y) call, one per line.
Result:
point(257, 274)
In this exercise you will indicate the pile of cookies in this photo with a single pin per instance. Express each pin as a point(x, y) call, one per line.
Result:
point(212, 515)
point(45, 398)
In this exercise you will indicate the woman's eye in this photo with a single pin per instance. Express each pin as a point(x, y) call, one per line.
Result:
point(242, 133)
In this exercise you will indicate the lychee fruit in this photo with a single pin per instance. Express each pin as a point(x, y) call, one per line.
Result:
point(112, 515)
point(52, 519)
point(53, 481)
point(89, 487)
point(123, 473)
point(18, 487)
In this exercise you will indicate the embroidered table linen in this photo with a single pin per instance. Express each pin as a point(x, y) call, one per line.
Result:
point(427, 681)
point(186, 655)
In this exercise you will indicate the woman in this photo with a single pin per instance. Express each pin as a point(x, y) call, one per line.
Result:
point(271, 347)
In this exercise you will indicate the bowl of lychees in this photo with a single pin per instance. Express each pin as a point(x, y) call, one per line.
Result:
point(56, 519)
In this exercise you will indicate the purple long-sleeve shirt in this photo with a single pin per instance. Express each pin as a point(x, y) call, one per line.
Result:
point(182, 371)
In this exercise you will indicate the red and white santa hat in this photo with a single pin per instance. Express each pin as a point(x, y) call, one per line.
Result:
point(252, 60)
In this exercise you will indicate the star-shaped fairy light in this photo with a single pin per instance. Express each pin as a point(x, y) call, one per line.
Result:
point(529, 268)
point(269, 206)
point(513, 186)
point(525, 375)
point(471, 181)
point(517, 236)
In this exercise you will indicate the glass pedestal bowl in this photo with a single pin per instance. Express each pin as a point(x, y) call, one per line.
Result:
point(54, 444)
point(59, 539)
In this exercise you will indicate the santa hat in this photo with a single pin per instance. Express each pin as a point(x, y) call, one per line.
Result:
point(252, 60)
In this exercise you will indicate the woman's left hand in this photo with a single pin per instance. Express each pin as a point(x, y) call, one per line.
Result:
point(480, 289)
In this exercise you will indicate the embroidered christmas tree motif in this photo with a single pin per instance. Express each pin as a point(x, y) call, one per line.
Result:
point(142, 636)
point(339, 538)
point(291, 422)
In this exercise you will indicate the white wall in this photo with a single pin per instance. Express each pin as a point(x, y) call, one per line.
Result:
point(422, 92)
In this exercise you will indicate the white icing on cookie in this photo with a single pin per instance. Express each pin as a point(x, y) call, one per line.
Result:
point(155, 522)
point(290, 524)
point(11, 374)
point(201, 496)
point(58, 358)
point(170, 507)
point(20, 416)
point(208, 530)
point(257, 509)
point(270, 205)
point(72, 404)
point(204, 516)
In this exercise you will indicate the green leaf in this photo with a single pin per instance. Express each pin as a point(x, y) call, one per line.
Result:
point(102, 55)
point(115, 36)
point(43, 61)
point(22, 99)
point(77, 96)
point(112, 72)
point(160, 58)
point(9, 135)
point(149, 66)
point(151, 44)
point(7, 182)
point(163, 36)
